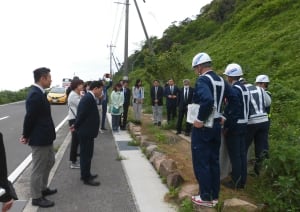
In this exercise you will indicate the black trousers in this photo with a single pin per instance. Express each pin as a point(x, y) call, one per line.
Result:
point(86, 155)
point(182, 112)
point(123, 120)
point(74, 143)
point(171, 112)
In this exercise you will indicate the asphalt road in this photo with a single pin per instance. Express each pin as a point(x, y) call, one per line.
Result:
point(11, 126)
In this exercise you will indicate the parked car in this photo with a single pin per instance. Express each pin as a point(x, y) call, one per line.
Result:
point(57, 95)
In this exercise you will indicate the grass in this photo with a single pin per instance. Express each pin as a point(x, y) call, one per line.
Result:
point(120, 157)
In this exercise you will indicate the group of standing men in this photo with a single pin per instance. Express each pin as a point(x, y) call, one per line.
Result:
point(177, 99)
point(244, 119)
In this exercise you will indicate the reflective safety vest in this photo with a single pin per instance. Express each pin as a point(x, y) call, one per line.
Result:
point(216, 113)
point(268, 109)
point(246, 101)
point(257, 108)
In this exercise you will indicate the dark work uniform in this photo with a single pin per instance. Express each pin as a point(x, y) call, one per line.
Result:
point(206, 141)
point(235, 129)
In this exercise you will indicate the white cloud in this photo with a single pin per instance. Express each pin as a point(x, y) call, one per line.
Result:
point(72, 36)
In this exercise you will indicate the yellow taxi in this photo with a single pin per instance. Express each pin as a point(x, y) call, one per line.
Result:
point(57, 95)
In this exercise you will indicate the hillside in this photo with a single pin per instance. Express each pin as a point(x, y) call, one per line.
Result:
point(263, 37)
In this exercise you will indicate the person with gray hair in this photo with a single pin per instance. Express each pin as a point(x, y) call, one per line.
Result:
point(185, 97)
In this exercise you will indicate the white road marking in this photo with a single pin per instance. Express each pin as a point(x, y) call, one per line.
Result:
point(19, 170)
point(5, 117)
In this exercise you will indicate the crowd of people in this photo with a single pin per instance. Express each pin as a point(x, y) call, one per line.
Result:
point(227, 107)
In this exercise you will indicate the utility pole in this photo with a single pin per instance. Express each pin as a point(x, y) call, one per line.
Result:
point(143, 25)
point(125, 66)
point(110, 58)
point(116, 64)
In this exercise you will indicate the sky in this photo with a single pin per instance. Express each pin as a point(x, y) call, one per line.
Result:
point(72, 37)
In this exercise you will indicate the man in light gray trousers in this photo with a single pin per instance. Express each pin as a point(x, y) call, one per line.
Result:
point(39, 134)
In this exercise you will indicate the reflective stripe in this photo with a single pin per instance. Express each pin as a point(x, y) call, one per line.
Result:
point(257, 110)
point(246, 101)
point(217, 105)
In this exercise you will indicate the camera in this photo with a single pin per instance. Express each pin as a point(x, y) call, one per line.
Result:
point(107, 75)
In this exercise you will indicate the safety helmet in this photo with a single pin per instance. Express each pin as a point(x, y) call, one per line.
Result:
point(200, 58)
point(233, 70)
point(262, 78)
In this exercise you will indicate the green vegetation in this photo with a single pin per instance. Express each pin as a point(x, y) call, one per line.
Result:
point(263, 37)
point(134, 143)
point(12, 96)
point(186, 205)
point(120, 157)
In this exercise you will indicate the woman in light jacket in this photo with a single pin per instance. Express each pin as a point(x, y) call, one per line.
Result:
point(138, 98)
point(73, 101)
point(116, 106)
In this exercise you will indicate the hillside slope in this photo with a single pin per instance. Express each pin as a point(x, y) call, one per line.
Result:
point(263, 37)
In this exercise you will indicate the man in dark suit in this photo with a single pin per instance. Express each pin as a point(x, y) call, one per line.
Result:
point(127, 95)
point(39, 133)
point(171, 92)
point(185, 97)
point(87, 126)
point(104, 100)
point(157, 94)
point(7, 198)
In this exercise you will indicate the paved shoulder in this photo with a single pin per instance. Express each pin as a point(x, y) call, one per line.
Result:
point(112, 195)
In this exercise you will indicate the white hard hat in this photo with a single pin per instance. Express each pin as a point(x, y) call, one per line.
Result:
point(200, 58)
point(233, 70)
point(262, 78)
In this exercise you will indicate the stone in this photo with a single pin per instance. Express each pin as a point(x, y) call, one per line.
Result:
point(157, 162)
point(167, 167)
point(145, 143)
point(136, 133)
point(150, 149)
point(187, 191)
point(137, 128)
point(155, 156)
point(174, 180)
point(235, 205)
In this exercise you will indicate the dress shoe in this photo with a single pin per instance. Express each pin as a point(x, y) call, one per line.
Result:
point(93, 176)
point(49, 191)
point(232, 185)
point(159, 123)
point(42, 202)
point(91, 182)
point(177, 133)
point(103, 128)
point(187, 134)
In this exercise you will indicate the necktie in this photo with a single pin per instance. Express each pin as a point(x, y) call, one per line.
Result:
point(171, 88)
point(186, 94)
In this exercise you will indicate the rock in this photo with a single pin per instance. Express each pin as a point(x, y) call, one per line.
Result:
point(145, 143)
point(156, 155)
point(137, 128)
point(234, 204)
point(136, 133)
point(174, 180)
point(157, 160)
point(187, 191)
point(150, 149)
point(167, 167)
